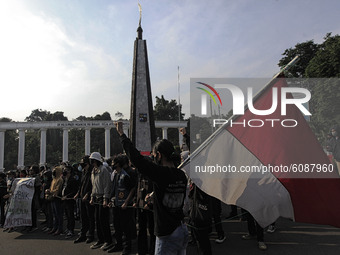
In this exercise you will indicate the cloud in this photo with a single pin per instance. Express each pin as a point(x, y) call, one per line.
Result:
point(43, 67)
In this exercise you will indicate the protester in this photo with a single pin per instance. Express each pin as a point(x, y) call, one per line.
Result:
point(216, 214)
point(169, 193)
point(23, 173)
point(54, 194)
point(145, 215)
point(335, 146)
point(3, 192)
point(77, 174)
point(132, 172)
point(186, 140)
point(201, 218)
point(255, 231)
point(10, 176)
point(122, 215)
point(47, 204)
point(34, 172)
point(101, 190)
point(86, 210)
point(69, 190)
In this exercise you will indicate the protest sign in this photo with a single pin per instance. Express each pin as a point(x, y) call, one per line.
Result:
point(19, 209)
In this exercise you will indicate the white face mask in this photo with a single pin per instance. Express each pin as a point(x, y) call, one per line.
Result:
point(80, 168)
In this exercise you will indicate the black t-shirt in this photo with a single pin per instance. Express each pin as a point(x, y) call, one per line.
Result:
point(70, 187)
point(3, 189)
point(169, 189)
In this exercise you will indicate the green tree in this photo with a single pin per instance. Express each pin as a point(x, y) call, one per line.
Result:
point(319, 61)
point(168, 110)
point(326, 62)
point(306, 51)
point(119, 115)
point(37, 115)
point(325, 105)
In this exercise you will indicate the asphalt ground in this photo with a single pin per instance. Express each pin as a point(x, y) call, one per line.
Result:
point(289, 238)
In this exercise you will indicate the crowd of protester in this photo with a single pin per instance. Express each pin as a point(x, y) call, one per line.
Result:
point(129, 190)
point(333, 146)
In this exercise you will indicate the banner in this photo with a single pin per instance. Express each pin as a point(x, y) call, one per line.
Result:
point(19, 209)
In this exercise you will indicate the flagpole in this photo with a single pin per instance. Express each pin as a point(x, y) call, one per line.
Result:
point(179, 98)
point(225, 125)
point(269, 84)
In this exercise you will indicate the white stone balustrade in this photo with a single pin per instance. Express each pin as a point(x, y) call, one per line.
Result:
point(43, 126)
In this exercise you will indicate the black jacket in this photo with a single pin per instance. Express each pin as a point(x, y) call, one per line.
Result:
point(86, 184)
point(169, 189)
point(70, 187)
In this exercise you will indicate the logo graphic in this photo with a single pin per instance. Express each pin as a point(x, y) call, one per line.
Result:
point(204, 97)
point(239, 99)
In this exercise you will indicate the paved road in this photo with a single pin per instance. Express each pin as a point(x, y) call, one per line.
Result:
point(290, 238)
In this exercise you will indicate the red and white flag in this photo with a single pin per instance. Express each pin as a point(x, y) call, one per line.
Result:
point(309, 192)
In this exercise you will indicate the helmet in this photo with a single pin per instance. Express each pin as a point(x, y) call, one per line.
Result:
point(96, 156)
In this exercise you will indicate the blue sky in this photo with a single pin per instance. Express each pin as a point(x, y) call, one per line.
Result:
point(76, 56)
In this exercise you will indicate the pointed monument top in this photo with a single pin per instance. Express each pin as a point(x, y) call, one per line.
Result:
point(139, 29)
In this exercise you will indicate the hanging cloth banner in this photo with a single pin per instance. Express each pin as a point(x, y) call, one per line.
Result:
point(19, 209)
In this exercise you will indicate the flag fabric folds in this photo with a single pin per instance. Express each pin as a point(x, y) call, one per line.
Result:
point(304, 194)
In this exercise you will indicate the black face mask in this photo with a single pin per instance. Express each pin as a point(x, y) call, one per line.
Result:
point(64, 173)
point(54, 173)
point(92, 161)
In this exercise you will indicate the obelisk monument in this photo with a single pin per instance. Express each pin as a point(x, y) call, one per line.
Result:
point(142, 124)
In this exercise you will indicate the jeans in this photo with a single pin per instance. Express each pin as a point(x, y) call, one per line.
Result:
point(173, 244)
point(57, 215)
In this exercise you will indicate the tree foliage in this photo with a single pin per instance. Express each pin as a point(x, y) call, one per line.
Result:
point(168, 110)
point(319, 61)
point(306, 51)
point(326, 62)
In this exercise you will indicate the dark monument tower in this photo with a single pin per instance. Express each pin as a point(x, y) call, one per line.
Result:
point(142, 124)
